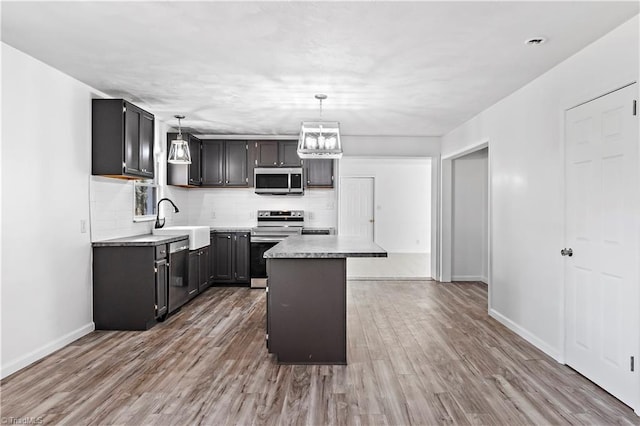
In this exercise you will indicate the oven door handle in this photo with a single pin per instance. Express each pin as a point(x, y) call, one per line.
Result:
point(274, 239)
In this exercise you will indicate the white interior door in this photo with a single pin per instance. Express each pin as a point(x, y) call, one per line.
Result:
point(602, 216)
point(356, 207)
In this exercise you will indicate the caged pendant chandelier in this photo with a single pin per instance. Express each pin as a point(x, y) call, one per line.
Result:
point(179, 151)
point(320, 139)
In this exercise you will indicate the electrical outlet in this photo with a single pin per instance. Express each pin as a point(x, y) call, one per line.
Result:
point(83, 226)
point(417, 242)
point(213, 214)
point(310, 215)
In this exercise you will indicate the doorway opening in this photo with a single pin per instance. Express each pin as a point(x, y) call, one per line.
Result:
point(389, 201)
point(464, 216)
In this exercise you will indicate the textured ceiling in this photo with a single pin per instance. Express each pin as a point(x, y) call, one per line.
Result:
point(389, 68)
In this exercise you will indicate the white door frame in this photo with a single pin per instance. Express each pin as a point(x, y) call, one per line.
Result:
point(445, 214)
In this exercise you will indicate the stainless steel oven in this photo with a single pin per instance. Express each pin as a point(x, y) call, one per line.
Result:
point(273, 227)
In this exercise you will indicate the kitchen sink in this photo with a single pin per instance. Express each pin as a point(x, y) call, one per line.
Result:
point(199, 236)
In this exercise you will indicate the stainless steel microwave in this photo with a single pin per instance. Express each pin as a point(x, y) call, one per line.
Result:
point(278, 180)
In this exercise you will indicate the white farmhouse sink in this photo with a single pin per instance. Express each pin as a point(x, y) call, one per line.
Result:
point(198, 235)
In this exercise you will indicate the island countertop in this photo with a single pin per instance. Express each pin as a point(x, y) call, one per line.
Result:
point(324, 247)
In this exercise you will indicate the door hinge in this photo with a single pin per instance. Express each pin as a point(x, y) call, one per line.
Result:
point(246, 179)
point(266, 336)
point(266, 289)
point(155, 270)
point(635, 107)
point(633, 367)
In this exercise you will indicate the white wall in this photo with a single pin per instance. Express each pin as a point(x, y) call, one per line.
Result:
point(469, 225)
point(391, 146)
point(525, 133)
point(46, 161)
point(402, 200)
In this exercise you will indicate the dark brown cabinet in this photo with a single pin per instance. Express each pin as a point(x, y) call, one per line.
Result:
point(130, 285)
point(230, 257)
point(235, 163)
point(213, 163)
point(122, 139)
point(186, 174)
point(276, 154)
point(318, 173)
point(198, 279)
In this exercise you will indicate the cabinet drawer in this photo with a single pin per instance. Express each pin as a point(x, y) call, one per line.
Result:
point(161, 252)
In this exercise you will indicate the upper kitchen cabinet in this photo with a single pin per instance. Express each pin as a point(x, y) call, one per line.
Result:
point(318, 173)
point(288, 154)
point(186, 174)
point(122, 137)
point(235, 167)
point(276, 154)
point(216, 163)
point(213, 163)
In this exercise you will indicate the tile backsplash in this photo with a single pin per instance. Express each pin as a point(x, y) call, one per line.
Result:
point(111, 206)
point(111, 202)
point(237, 207)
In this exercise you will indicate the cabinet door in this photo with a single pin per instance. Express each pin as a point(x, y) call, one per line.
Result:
point(288, 154)
point(267, 153)
point(319, 173)
point(146, 145)
point(132, 117)
point(203, 264)
point(161, 287)
point(195, 149)
point(242, 257)
point(193, 274)
point(223, 257)
point(236, 163)
point(212, 163)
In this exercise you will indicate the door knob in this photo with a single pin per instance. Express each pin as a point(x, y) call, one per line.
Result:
point(566, 252)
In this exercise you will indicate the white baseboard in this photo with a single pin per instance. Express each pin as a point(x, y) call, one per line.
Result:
point(528, 336)
point(484, 280)
point(466, 278)
point(45, 350)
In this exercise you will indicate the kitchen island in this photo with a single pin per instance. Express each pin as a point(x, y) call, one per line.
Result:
point(307, 297)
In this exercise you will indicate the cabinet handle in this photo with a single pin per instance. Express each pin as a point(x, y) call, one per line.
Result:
point(229, 236)
point(227, 181)
point(275, 163)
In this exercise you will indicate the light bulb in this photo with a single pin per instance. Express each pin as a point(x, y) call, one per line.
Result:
point(321, 142)
point(330, 143)
point(311, 142)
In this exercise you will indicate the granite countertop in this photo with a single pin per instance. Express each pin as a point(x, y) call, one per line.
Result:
point(140, 240)
point(324, 247)
point(229, 229)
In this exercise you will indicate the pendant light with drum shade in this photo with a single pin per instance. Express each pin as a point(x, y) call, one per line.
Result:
point(320, 139)
point(179, 151)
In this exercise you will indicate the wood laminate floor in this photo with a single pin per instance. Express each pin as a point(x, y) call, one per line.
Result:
point(419, 353)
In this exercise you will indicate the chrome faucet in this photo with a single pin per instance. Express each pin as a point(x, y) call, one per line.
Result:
point(175, 209)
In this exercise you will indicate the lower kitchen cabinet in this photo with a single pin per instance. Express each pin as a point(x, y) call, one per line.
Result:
point(229, 261)
point(130, 285)
point(198, 279)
